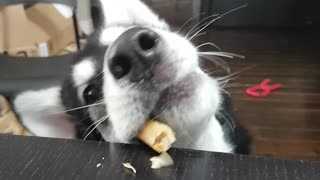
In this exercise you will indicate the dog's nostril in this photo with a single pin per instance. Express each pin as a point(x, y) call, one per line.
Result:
point(134, 54)
point(120, 66)
point(147, 40)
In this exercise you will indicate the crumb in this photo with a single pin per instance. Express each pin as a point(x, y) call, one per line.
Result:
point(163, 160)
point(102, 158)
point(128, 165)
point(99, 164)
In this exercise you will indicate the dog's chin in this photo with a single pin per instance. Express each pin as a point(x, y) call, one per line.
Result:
point(175, 99)
point(175, 95)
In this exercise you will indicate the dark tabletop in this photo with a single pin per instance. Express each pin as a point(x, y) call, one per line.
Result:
point(44, 158)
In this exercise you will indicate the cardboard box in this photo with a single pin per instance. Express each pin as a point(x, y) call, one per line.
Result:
point(38, 31)
point(16, 34)
point(59, 29)
point(1, 31)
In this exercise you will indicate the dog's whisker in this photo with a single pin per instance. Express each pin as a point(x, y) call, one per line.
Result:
point(209, 44)
point(230, 123)
point(158, 115)
point(188, 21)
point(215, 54)
point(222, 84)
point(95, 127)
point(101, 72)
point(161, 111)
point(234, 75)
point(201, 34)
point(226, 92)
point(102, 119)
point(235, 85)
point(209, 71)
point(223, 54)
point(196, 31)
point(229, 76)
point(204, 27)
point(217, 18)
point(81, 107)
point(212, 71)
point(196, 26)
point(100, 102)
point(225, 82)
point(92, 130)
point(83, 119)
point(218, 61)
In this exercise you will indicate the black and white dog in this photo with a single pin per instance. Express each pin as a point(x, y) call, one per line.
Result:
point(134, 68)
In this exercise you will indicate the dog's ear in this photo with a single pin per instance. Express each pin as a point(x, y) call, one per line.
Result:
point(124, 12)
point(97, 14)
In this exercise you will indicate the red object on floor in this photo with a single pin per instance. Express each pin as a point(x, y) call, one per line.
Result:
point(263, 89)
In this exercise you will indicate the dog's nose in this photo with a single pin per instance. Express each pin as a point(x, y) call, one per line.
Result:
point(134, 54)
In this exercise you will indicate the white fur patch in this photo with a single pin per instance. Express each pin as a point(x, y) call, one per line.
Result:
point(128, 12)
point(83, 72)
point(42, 113)
point(120, 15)
point(109, 35)
point(179, 53)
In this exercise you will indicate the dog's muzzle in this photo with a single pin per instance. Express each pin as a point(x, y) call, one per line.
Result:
point(134, 54)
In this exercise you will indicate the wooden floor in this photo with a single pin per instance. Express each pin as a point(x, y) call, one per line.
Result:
point(287, 123)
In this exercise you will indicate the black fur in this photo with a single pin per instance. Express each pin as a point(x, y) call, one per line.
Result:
point(234, 132)
point(97, 15)
point(69, 95)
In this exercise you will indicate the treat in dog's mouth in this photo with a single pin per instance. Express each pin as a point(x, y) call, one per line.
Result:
point(160, 138)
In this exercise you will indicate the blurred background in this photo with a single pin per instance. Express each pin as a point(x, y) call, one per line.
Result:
point(279, 39)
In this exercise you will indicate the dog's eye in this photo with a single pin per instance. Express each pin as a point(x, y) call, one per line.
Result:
point(91, 94)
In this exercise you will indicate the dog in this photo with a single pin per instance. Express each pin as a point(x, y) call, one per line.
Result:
point(135, 68)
